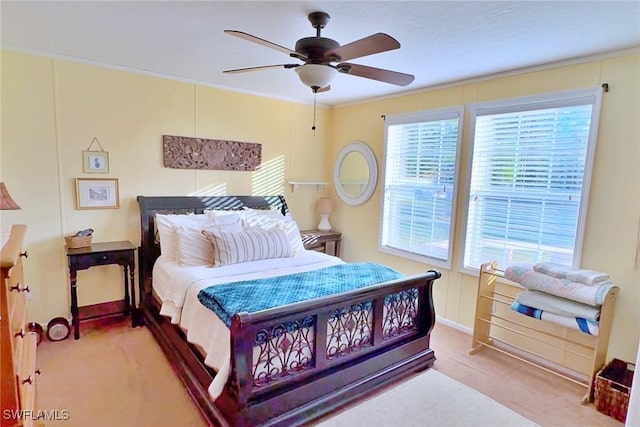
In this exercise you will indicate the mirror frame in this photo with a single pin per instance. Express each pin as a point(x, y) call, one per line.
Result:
point(369, 188)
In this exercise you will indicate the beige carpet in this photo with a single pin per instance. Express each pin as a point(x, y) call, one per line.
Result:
point(115, 376)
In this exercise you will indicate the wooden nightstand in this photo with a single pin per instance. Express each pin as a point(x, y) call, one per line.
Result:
point(121, 253)
point(317, 240)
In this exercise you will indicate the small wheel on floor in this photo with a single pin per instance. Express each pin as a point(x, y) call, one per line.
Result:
point(58, 329)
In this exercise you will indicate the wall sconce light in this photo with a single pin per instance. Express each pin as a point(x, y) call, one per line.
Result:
point(6, 202)
point(324, 207)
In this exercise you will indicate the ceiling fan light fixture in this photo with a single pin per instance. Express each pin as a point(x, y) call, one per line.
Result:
point(316, 76)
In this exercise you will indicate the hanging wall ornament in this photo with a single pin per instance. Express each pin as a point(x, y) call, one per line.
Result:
point(181, 152)
point(95, 159)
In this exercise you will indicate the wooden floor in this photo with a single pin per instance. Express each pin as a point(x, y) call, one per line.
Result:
point(73, 370)
point(533, 393)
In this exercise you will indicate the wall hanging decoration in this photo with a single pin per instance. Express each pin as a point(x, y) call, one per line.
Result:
point(95, 161)
point(97, 193)
point(181, 152)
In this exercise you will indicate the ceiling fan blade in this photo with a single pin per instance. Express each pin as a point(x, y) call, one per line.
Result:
point(375, 43)
point(387, 76)
point(263, 67)
point(324, 89)
point(263, 42)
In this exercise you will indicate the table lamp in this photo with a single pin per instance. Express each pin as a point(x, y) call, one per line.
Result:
point(324, 208)
point(6, 202)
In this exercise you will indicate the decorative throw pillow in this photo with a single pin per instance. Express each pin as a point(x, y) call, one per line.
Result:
point(233, 247)
point(290, 228)
point(274, 219)
point(192, 246)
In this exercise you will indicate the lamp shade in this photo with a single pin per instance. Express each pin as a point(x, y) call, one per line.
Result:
point(316, 76)
point(324, 205)
point(6, 202)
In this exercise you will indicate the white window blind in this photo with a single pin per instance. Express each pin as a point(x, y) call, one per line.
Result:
point(420, 184)
point(529, 180)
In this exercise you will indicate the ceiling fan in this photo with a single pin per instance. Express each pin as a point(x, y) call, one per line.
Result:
point(320, 53)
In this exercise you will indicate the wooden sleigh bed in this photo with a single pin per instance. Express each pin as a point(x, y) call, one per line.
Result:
point(397, 317)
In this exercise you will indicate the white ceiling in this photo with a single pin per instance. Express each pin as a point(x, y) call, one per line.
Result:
point(442, 41)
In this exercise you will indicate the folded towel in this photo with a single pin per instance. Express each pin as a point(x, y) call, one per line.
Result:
point(588, 277)
point(583, 325)
point(557, 305)
point(527, 277)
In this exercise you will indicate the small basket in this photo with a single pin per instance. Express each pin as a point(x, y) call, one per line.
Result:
point(74, 242)
point(613, 387)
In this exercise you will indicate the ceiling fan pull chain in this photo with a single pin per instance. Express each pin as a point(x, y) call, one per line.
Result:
point(313, 128)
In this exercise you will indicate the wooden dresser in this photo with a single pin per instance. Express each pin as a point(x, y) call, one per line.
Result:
point(18, 340)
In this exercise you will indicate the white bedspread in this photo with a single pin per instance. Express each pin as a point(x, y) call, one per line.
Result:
point(178, 289)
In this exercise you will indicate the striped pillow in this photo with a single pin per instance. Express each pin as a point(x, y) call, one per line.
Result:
point(193, 247)
point(234, 247)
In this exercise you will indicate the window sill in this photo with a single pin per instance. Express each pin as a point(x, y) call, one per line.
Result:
point(432, 262)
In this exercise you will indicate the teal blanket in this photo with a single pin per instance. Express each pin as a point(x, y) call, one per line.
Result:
point(261, 294)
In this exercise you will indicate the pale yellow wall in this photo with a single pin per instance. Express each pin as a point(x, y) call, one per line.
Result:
point(354, 174)
point(614, 205)
point(52, 109)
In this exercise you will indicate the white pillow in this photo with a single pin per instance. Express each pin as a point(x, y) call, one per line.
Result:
point(292, 232)
point(223, 217)
point(233, 247)
point(265, 213)
point(252, 218)
point(193, 247)
point(274, 219)
point(166, 225)
point(290, 229)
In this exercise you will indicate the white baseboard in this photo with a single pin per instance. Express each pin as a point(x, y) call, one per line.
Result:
point(564, 370)
point(454, 325)
point(520, 353)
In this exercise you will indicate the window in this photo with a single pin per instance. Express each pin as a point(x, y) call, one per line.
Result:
point(421, 157)
point(529, 181)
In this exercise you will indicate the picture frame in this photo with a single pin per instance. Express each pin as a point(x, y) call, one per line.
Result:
point(95, 161)
point(97, 193)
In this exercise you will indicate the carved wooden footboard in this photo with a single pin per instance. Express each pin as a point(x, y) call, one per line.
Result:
point(324, 353)
point(293, 364)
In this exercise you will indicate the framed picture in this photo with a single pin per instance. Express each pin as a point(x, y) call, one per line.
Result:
point(95, 161)
point(97, 193)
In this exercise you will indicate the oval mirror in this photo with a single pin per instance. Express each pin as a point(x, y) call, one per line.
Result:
point(355, 173)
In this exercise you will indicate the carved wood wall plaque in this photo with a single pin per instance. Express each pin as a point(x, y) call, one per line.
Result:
point(181, 152)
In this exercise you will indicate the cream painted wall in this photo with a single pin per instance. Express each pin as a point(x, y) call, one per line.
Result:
point(614, 206)
point(52, 109)
point(354, 174)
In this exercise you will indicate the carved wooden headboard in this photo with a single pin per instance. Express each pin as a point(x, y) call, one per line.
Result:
point(149, 249)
